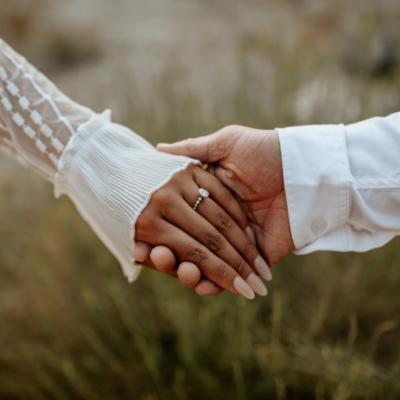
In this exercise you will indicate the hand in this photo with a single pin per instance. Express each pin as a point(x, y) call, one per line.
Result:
point(162, 259)
point(248, 161)
point(212, 237)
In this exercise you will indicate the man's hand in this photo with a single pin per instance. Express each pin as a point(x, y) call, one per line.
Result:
point(248, 161)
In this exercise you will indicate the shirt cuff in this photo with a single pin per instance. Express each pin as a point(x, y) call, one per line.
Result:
point(317, 179)
point(110, 173)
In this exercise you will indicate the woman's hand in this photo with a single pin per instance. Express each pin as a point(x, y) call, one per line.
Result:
point(212, 237)
point(248, 161)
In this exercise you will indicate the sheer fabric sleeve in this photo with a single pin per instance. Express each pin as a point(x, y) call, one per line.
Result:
point(107, 170)
point(5, 138)
point(40, 119)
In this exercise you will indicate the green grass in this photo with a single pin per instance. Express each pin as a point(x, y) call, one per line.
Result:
point(73, 328)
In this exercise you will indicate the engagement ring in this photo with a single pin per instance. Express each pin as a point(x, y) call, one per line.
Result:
point(203, 193)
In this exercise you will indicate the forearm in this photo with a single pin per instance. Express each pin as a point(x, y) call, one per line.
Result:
point(343, 184)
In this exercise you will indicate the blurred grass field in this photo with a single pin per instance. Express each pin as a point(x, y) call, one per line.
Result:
point(71, 326)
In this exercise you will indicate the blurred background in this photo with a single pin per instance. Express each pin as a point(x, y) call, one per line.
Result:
point(73, 328)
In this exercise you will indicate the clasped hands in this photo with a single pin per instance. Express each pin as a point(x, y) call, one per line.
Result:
point(236, 234)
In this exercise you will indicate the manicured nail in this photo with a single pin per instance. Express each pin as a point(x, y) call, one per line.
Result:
point(250, 234)
point(243, 288)
point(262, 268)
point(257, 284)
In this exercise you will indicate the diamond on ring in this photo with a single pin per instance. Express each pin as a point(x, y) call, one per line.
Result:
point(204, 193)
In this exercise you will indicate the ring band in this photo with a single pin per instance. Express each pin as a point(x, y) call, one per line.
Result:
point(203, 193)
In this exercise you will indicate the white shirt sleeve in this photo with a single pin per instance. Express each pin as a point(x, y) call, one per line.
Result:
point(342, 184)
point(107, 170)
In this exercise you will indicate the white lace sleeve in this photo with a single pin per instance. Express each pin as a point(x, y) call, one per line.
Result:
point(5, 138)
point(40, 119)
point(108, 171)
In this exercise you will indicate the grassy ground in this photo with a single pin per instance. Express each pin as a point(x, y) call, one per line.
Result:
point(72, 328)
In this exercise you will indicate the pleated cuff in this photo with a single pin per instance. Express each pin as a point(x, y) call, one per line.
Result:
point(110, 173)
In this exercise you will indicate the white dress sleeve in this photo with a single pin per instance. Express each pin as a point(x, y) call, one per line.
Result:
point(342, 184)
point(107, 170)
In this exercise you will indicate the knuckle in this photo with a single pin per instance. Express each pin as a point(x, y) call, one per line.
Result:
point(161, 196)
point(224, 221)
point(143, 223)
point(214, 242)
point(149, 229)
point(196, 256)
point(164, 201)
point(240, 266)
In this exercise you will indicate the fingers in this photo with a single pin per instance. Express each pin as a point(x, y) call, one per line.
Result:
point(225, 224)
point(199, 228)
point(170, 221)
point(163, 259)
point(214, 268)
point(207, 288)
point(221, 195)
point(141, 252)
point(189, 274)
point(223, 175)
point(209, 148)
point(159, 258)
point(216, 215)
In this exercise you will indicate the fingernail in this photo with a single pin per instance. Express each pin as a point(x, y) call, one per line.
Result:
point(262, 268)
point(250, 234)
point(257, 284)
point(243, 288)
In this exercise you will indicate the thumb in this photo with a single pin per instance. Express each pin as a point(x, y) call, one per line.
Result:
point(207, 149)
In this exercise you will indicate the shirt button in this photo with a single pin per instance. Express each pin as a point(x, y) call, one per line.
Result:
point(318, 226)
